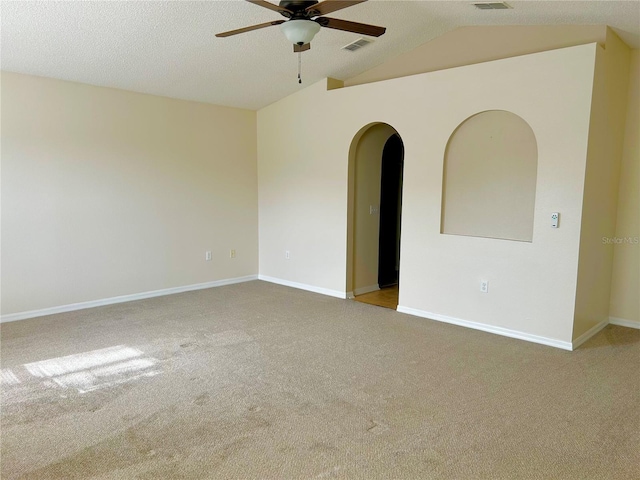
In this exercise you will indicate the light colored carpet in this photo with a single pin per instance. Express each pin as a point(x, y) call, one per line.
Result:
point(262, 381)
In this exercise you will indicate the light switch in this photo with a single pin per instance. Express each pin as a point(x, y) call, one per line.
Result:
point(555, 219)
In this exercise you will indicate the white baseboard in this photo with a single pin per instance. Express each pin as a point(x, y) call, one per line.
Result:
point(589, 333)
point(622, 322)
point(505, 332)
point(303, 286)
point(12, 317)
point(363, 290)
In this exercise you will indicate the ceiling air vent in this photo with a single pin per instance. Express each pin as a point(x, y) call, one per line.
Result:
point(491, 6)
point(357, 45)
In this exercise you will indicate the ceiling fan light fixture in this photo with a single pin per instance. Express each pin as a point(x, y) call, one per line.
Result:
point(300, 32)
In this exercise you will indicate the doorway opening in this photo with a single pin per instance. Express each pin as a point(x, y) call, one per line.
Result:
point(376, 161)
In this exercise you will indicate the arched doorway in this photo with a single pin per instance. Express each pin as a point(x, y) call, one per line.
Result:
point(376, 160)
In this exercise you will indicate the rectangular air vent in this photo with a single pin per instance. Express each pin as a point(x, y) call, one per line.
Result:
point(357, 45)
point(491, 6)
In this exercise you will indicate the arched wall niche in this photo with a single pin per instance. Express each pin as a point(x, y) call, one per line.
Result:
point(489, 180)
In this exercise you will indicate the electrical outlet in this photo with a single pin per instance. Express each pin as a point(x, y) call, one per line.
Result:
point(484, 286)
point(207, 255)
point(232, 253)
point(287, 255)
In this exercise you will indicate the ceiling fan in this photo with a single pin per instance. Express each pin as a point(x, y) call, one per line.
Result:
point(304, 19)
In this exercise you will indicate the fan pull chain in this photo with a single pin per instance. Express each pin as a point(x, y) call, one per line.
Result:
point(299, 67)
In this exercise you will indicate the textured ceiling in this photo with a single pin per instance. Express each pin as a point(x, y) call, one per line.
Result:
point(168, 48)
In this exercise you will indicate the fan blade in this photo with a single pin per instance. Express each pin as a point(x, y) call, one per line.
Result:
point(355, 27)
point(329, 6)
point(301, 48)
point(276, 8)
point(248, 29)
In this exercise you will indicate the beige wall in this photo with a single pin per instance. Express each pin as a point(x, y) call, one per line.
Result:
point(625, 283)
point(303, 187)
point(476, 44)
point(490, 170)
point(108, 193)
point(302, 197)
point(606, 135)
point(367, 177)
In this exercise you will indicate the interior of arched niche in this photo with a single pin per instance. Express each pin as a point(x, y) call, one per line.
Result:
point(489, 180)
point(365, 156)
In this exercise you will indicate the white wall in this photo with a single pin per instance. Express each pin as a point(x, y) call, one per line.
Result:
point(606, 135)
point(302, 179)
point(625, 282)
point(302, 196)
point(108, 193)
point(481, 43)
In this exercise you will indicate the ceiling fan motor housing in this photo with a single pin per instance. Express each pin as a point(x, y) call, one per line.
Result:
point(299, 8)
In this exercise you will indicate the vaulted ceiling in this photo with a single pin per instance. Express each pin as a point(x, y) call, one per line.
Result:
point(169, 48)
